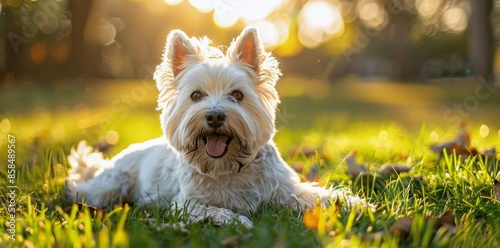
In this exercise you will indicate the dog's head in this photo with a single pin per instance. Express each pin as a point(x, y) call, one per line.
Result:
point(218, 109)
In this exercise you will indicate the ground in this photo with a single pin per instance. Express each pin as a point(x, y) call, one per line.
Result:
point(439, 202)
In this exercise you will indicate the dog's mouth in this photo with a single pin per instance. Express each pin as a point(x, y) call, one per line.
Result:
point(216, 144)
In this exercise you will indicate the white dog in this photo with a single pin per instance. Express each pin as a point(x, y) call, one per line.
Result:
point(217, 153)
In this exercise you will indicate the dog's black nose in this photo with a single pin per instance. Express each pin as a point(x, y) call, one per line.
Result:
point(215, 118)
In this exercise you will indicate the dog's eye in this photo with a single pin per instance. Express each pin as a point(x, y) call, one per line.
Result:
point(196, 96)
point(237, 95)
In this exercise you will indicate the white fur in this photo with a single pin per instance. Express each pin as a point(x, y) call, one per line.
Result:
point(176, 168)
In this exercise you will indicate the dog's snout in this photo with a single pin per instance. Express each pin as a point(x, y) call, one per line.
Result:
point(215, 118)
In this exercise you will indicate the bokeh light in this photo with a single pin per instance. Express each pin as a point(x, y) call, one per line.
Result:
point(225, 19)
point(455, 20)
point(427, 8)
point(268, 32)
point(60, 52)
point(112, 137)
point(39, 52)
point(434, 137)
point(319, 21)
point(202, 5)
point(256, 10)
point(173, 2)
point(484, 131)
point(105, 33)
point(5, 125)
point(383, 135)
point(372, 14)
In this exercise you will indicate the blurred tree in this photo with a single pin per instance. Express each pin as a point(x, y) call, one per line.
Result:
point(83, 54)
point(395, 39)
point(481, 38)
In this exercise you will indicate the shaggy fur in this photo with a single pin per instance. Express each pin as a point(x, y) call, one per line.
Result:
point(217, 154)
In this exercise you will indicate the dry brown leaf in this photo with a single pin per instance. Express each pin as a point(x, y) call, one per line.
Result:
point(447, 218)
point(308, 151)
point(394, 169)
point(490, 153)
point(463, 137)
point(354, 168)
point(402, 226)
point(460, 145)
point(231, 241)
point(497, 190)
point(93, 211)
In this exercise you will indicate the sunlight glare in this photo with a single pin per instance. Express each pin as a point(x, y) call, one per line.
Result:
point(484, 131)
point(112, 137)
point(455, 20)
point(434, 137)
point(257, 9)
point(202, 5)
point(319, 14)
point(225, 19)
point(5, 125)
point(383, 135)
point(267, 32)
point(173, 2)
point(427, 8)
point(105, 33)
point(319, 21)
point(283, 27)
point(373, 15)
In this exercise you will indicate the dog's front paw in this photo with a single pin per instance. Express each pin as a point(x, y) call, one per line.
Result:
point(347, 200)
point(226, 216)
point(245, 221)
point(220, 216)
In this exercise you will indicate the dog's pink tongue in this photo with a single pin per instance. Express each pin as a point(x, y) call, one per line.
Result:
point(216, 145)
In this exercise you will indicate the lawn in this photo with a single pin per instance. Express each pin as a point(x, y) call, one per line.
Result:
point(442, 201)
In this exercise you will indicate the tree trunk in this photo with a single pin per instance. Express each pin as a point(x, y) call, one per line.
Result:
point(481, 40)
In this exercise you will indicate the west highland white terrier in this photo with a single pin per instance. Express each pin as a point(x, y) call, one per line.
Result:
point(217, 156)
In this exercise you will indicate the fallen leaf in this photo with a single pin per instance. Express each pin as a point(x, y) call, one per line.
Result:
point(497, 190)
point(461, 146)
point(447, 218)
point(402, 226)
point(93, 211)
point(394, 169)
point(311, 218)
point(354, 168)
point(231, 241)
point(490, 153)
point(307, 151)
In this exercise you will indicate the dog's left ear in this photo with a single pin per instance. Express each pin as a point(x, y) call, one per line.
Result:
point(247, 49)
point(180, 52)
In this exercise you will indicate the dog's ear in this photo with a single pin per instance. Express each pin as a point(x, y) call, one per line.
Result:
point(247, 49)
point(179, 52)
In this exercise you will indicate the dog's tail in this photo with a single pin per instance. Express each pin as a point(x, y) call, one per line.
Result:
point(86, 163)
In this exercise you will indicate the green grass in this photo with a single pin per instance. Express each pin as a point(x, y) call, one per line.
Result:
point(44, 136)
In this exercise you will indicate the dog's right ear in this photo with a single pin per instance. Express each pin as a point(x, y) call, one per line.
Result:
point(180, 52)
